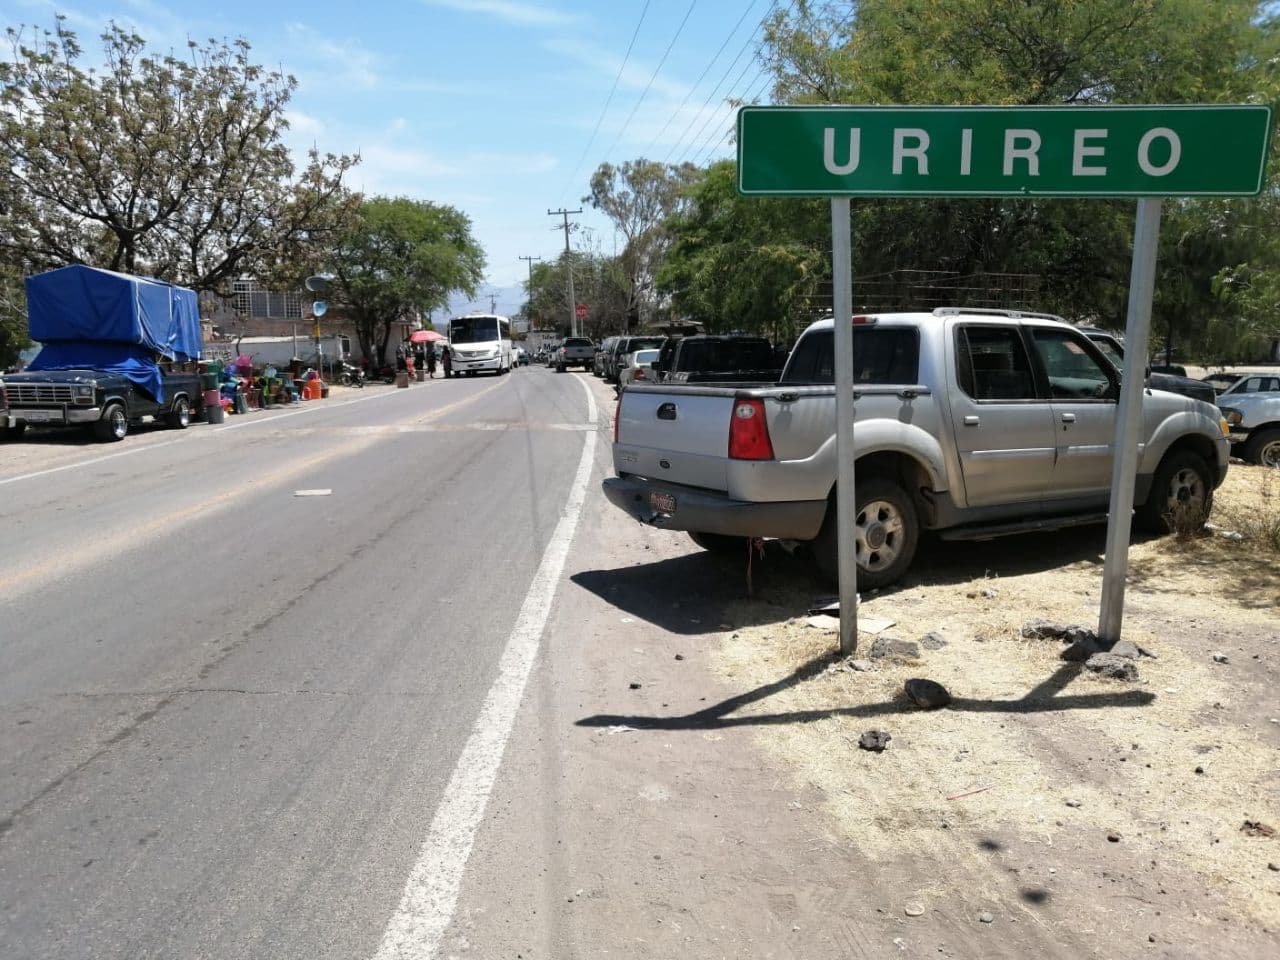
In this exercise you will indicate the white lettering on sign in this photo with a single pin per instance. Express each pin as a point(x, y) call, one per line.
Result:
point(1083, 150)
point(1144, 151)
point(916, 151)
point(829, 151)
point(1022, 145)
point(1088, 151)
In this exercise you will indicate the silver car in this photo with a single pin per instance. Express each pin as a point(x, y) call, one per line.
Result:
point(636, 367)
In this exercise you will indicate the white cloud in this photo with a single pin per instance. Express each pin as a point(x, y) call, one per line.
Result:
point(303, 124)
point(511, 11)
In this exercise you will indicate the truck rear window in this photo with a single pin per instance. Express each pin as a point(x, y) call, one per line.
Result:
point(880, 355)
point(723, 356)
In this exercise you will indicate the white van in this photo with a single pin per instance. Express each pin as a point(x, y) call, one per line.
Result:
point(480, 341)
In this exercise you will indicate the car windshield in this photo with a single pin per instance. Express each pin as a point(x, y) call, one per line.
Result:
point(1110, 351)
point(473, 329)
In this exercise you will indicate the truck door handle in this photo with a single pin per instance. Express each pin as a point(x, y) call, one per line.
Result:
point(667, 411)
point(1068, 418)
point(971, 420)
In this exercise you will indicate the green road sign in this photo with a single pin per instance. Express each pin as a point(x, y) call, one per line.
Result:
point(1097, 151)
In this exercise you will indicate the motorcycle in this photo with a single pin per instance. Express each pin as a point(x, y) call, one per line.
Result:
point(351, 376)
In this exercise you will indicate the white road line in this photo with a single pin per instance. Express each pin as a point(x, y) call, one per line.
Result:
point(431, 892)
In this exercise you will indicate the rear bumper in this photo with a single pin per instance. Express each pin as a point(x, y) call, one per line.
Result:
point(704, 511)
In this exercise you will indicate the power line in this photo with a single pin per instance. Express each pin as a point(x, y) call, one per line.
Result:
point(703, 152)
point(609, 99)
point(656, 70)
point(681, 141)
point(712, 115)
point(702, 76)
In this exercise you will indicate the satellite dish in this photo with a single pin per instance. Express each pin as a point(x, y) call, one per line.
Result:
point(319, 308)
point(318, 283)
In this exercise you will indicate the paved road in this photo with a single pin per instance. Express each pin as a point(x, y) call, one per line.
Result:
point(227, 712)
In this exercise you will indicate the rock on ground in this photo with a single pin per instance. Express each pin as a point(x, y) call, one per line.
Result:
point(874, 740)
point(892, 648)
point(928, 694)
point(1112, 666)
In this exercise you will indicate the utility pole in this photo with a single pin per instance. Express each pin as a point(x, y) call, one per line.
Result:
point(529, 318)
point(568, 265)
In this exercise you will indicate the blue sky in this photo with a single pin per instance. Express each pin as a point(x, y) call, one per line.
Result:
point(489, 105)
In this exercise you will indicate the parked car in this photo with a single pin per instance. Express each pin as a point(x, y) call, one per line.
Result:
point(601, 358)
point(971, 423)
point(1252, 383)
point(719, 359)
point(1254, 421)
point(522, 357)
point(552, 348)
point(4, 411)
point(1222, 381)
point(1157, 379)
point(575, 352)
point(637, 368)
point(626, 345)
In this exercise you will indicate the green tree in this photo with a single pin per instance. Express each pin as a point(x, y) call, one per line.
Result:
point(13, 316)
point(740, 263)
point(639, 197)
point(1048, 52)
point(163, 165)
point(401, 259)
point(599, 281)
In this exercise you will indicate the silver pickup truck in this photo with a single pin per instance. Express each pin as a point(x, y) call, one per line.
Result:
point(1254, 421)
point(974, 424)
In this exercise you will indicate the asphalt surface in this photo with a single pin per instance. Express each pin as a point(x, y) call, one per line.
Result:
point(227, 712)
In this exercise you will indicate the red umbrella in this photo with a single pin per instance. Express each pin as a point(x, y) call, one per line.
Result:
point(424, 336)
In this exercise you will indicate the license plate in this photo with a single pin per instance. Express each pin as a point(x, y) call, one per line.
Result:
point(37, 416)
point(663, 502)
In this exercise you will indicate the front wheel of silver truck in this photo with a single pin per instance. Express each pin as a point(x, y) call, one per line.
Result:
point(886, 531)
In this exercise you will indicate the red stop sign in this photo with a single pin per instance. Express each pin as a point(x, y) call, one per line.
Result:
point(581, 311)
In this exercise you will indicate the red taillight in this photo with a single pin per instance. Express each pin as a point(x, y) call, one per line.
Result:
point(640, 374)
point(617, 411)
point(749, 432)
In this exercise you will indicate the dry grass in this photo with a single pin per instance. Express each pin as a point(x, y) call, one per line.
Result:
point(1030, 733)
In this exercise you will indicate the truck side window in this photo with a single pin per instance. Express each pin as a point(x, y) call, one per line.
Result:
point(992, 363)
point(881, 355)
point(1073, 372)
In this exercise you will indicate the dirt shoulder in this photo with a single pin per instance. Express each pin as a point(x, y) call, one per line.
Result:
point(1045, 795)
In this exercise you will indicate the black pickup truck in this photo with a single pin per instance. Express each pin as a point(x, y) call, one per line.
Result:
point(104, 403)
point(718, 359)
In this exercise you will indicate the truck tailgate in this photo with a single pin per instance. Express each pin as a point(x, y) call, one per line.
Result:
point(676, 436)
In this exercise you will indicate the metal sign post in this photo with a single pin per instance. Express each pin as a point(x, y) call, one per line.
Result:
point(1124, 462)
point(1000, 151)
point(846, 496)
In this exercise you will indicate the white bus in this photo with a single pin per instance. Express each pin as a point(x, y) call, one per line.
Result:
point(480, 341)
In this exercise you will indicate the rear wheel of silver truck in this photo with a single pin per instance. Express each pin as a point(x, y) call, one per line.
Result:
point(886, 531)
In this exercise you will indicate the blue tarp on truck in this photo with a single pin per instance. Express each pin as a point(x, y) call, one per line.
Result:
point(78, 304)
point(126, 359)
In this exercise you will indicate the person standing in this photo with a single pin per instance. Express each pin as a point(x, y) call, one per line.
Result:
point(431, 360)
point(419, 357)
point(400, 359)
point(447, 354)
